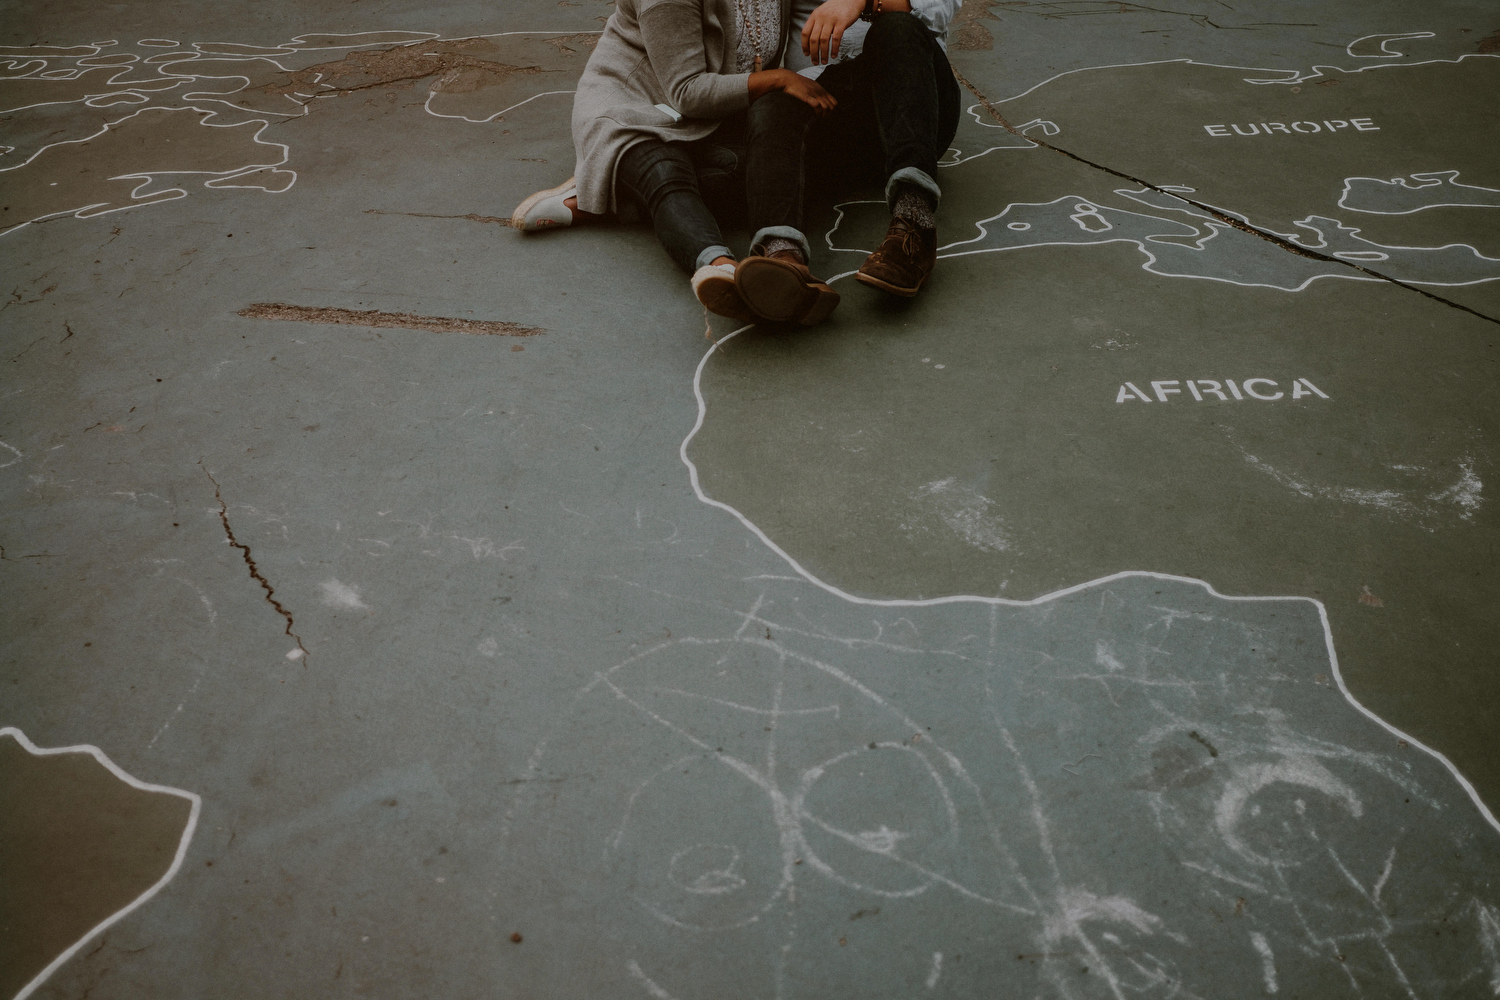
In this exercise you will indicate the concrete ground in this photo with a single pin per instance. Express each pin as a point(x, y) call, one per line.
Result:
point(1115, 619)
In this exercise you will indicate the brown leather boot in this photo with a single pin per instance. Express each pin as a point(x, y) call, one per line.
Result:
point(903, 262)
point(780, 288)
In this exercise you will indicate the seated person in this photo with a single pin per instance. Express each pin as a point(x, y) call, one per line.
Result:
point(667, 89)
point(896, 106)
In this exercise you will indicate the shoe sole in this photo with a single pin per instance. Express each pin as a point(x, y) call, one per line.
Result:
point(778, 292)
point(721, 297)
point(518, 217)
point(886, 286)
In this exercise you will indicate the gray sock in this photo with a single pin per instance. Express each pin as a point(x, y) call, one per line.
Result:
point(774, 244)
point(915, 206)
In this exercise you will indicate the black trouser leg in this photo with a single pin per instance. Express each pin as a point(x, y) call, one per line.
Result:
point(902, 88)
point(663, 176)
point(774, 169)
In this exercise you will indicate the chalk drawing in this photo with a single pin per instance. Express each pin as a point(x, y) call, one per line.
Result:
point(1424, 502)
point(139, 901)
point(757, 804)
point(805, 574)
point(1379, 46)
point(341, 595)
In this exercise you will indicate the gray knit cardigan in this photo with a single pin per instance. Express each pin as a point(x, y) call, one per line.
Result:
point(656, 52)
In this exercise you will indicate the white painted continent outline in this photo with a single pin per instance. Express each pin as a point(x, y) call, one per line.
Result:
point(196, 101)
point(1444, 179)
point(805, 574)
point(143, 898)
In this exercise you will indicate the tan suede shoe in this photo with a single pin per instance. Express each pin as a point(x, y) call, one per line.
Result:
point(903, 262)
point(780, 288)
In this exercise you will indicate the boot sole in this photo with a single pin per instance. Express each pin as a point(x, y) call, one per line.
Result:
point(778, 292)
point(721, 297)
point(886, 286)
point(518, 217)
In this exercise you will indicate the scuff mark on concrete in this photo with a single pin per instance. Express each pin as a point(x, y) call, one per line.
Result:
point(255, 573)
point(337, 594)
point(472, 217)
point(387, 320)
point(408, 63)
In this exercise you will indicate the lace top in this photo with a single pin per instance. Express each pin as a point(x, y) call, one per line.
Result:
point(759, 23)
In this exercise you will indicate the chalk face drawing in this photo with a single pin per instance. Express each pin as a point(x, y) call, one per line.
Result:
point(787, 816)
point(150, 122)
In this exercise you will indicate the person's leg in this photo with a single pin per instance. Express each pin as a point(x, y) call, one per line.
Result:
point(776, 136)
point(662, 176)
point(664, 179)
point(844, 152)
point(720, 161)
point(915, 102)
point(774, 281)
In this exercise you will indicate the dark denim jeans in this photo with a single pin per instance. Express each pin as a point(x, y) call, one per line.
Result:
point(897, 113)
point(751, 165)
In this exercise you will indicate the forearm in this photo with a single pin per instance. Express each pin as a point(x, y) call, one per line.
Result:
point(766, 81)
point(673, 36)
point(823, 32)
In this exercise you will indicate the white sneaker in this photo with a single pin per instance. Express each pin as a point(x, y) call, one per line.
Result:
point(545, 209)
point(714, 286)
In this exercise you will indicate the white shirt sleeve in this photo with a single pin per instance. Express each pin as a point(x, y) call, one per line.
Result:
point(937, 15)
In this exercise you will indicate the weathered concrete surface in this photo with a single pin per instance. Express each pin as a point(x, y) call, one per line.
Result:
point(439, 630)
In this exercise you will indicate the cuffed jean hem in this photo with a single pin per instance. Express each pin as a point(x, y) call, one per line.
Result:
point(785, 233)
point(917, 178)
point(712, 254)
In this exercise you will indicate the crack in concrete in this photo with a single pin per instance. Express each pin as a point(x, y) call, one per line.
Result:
point(1218, 214)
point(27, 348)
point(255, 573)
point(387, 320)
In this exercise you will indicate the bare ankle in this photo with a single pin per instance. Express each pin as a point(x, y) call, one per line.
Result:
point(579, 215)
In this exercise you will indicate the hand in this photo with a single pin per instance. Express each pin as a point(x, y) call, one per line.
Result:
point(825, 29)
point(809, 92)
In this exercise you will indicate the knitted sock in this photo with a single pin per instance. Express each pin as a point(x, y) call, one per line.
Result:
point(773, 244)
point(915, 206)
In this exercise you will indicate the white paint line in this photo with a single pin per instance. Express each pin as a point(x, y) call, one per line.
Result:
point(118, 915)
point(682, 452)
point(640, 976)
point(427, 105)
point(1267, 959)
point(937, 969)
point(1387, 39)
